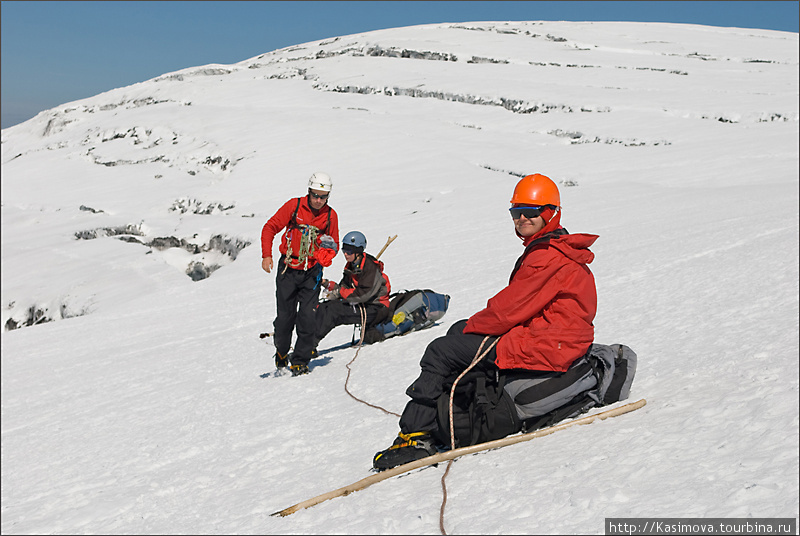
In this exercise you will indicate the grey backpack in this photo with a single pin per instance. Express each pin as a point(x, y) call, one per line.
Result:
point(494, 405)
point(602, 376)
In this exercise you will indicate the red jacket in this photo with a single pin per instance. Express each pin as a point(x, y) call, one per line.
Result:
point(545, 313)
point(305, 216)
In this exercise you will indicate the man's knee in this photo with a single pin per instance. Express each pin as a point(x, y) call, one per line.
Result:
point(438, 350)
point(426, 388)
point(457, 328)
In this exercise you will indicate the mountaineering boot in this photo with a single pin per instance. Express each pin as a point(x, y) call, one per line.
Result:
point(405, 449)
point(373, 335)
point(281, 361)
point(299, 369)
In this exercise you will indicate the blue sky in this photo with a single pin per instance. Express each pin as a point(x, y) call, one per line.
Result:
point(57, 52)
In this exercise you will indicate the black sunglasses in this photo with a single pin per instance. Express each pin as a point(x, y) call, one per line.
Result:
point(318, 196)
point(350, 250)
point(529, 212)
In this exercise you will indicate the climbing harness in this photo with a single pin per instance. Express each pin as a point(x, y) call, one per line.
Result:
point(305, 250)
point(308, 239)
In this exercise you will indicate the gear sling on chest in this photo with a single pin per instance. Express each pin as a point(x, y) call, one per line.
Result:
point(308, 239)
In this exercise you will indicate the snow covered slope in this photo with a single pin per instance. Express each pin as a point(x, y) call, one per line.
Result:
point(137, 396)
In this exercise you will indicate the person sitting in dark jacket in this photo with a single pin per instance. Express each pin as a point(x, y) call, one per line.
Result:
point(361, 297)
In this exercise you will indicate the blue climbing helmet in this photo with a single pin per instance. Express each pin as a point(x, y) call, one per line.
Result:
point(354, 242)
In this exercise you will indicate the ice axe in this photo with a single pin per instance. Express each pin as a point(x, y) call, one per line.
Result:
point(388, 241)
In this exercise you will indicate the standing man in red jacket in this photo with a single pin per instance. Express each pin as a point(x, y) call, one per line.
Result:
point(541, 321)
point(310, 241)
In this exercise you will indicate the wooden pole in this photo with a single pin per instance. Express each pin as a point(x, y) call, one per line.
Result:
point(452, 454)
point(388, 241)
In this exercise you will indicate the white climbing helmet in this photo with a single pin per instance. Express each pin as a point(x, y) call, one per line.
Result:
point(320, 181)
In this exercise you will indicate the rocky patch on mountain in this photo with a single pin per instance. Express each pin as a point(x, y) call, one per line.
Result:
point(40, 312)
point(578, 138)
point(207, 71)
point(204, 257)
point(562, 182)
point(155, 145)
point(195, 206)
point(513, 105)
point(412, 54)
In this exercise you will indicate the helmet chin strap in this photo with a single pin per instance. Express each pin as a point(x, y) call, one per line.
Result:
point(547, 222)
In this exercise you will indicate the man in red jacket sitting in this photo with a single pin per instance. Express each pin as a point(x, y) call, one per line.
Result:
point(310, 241)
point(542, 321)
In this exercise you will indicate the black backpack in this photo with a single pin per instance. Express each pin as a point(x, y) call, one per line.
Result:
point(482, 411)
point(491, 405)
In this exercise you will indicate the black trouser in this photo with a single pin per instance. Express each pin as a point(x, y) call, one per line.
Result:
point(444, 359)
point(297, 295)
point(337, 312)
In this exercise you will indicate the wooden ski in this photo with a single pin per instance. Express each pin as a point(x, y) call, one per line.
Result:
point(452, 454)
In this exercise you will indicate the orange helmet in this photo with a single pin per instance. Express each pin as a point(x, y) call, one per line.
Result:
point(536, 190)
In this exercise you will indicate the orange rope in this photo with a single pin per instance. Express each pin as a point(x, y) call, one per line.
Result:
point(349, 370)
point(475, 360)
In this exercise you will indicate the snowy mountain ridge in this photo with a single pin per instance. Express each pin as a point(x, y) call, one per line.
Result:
point(137, 397)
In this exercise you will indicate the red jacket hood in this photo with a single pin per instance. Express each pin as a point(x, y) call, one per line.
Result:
point(574, 246)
